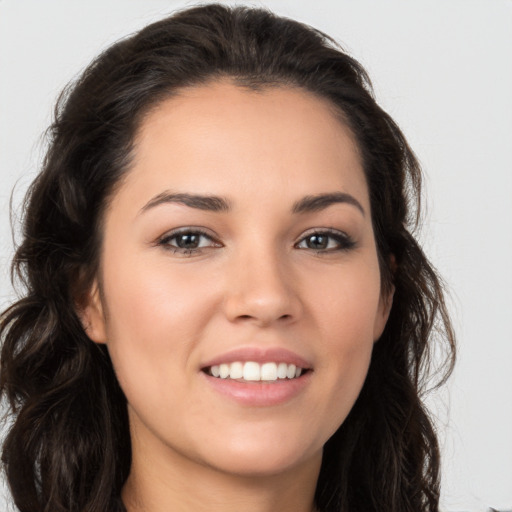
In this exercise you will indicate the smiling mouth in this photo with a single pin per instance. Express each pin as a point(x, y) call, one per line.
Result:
point(251, 371)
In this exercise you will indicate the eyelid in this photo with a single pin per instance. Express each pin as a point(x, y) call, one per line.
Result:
point(163, 240)
point(345, 241)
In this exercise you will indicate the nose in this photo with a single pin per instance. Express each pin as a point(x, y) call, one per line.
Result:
point(262, 290)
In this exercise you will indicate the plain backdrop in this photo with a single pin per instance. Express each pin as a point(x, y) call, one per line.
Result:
point(443, 70)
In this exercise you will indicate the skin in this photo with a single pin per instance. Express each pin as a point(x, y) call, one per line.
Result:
point(257, 281)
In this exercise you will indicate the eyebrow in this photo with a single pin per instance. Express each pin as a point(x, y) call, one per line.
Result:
point(322, 201)
point(206, 203)
point(307, 204)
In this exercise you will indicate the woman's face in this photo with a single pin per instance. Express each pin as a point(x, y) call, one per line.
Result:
point(239, 242)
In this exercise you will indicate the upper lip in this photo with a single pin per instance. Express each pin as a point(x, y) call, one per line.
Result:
point(259, 355)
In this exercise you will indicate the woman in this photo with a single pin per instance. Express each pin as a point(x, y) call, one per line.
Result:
point(225, 308)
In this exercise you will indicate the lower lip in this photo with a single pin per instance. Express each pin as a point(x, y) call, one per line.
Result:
point(260, 393)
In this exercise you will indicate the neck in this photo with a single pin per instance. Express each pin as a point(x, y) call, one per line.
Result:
point(184, 486)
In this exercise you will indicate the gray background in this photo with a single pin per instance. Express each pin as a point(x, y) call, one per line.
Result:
point(443, 70)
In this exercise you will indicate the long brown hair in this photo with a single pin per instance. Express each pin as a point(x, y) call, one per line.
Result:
point(68, 446)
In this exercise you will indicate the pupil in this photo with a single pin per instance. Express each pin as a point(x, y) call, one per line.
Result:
point(188, 241)
point(318, 242)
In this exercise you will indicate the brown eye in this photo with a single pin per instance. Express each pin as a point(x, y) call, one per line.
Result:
point(326, 241)
point(187, 241)
point(317, 242)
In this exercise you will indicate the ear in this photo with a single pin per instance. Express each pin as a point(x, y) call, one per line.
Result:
point(90, 312)
point(385, 304)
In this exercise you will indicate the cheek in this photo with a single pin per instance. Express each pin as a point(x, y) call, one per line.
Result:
point(346, 312)
point(349, 341)
point(154, 319)
point(146, 296)
point(346, 304)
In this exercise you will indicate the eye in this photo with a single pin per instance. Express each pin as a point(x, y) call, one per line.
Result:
point(187, 241)
point(326, 241)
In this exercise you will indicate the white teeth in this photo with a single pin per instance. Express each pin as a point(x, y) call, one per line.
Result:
point(269, 371)
point(252, 371)
point(224, 371)
point(236, 371)
point(282, 370)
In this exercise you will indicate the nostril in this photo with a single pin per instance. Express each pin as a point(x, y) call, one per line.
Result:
point(251, 317)
point(263, 309)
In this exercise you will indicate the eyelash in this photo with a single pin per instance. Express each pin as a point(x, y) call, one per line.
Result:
point(166, 239)
point(342, 241)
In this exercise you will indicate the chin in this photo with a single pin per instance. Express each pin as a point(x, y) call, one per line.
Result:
point(270, 457)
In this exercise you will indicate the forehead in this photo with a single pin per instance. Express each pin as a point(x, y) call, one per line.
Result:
point(280, 137)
